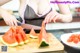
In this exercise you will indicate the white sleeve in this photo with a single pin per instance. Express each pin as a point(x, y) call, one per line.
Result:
point(3, 2)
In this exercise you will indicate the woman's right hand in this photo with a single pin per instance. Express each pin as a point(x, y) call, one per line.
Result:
point(8, 18)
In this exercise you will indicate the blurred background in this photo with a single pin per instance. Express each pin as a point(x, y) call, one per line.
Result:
point(74, 7)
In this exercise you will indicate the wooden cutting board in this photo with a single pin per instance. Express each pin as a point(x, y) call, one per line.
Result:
point(31, 47)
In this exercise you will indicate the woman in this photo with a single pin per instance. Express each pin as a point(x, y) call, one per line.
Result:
point(36, 11)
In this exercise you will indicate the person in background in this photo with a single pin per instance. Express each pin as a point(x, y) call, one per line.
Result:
point(35, 11)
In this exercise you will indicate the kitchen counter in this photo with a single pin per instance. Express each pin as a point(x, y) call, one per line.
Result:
point(57, 34)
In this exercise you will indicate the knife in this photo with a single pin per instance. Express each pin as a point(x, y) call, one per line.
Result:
point(29, 26)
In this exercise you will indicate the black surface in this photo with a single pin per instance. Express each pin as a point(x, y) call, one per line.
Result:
point(1, 33)
point(19, 19)
point(69, 49)
point(28, 31)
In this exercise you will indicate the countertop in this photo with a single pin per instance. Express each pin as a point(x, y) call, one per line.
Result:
point(57, 34)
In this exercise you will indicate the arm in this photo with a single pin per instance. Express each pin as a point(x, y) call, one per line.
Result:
point(64, 16)
point(8, 18)
point(2, 11)
point(3, 2)
point(64, 9)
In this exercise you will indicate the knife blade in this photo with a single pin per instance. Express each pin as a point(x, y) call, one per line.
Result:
point(29, 26)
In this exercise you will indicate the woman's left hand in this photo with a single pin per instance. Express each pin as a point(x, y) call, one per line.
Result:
point(54, 16)
point(51, 17)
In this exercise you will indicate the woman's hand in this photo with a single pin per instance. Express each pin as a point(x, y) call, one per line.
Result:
point(8, 18)
point(54, 16)
point(50, 17)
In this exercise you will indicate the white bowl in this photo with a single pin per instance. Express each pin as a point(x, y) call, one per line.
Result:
point(66, 36)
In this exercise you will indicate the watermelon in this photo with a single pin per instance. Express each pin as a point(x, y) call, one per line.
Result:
point(24, 37)
point(33, 34)
point(14, 36)
point(22, 33)
point(9, 39)
point(43, 37)
point(19, 39)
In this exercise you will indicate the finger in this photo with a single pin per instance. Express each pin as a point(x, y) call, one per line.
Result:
point(52, 17)
point(44, 21)
point(47, 18)
point(43, 24)
point(15, 23)
point(6, 21)
point(55, 18)
point(12, 23)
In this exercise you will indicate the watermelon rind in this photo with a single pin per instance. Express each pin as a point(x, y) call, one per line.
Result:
point(43, 43)
point(21, 43)
point(14, 44)
point(32, 36)
point(26, 41)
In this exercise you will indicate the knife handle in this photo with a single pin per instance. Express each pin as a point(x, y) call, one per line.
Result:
point(19, 23)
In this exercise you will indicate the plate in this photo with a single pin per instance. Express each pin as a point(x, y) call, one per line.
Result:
point(64, 38)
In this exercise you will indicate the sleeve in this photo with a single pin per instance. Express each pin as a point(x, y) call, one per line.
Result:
point(3, 2)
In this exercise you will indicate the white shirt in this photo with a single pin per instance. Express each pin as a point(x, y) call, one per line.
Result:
point(40, 7)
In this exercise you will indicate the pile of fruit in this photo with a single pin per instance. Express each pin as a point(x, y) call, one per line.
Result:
point(16, 36)
point(75, 38)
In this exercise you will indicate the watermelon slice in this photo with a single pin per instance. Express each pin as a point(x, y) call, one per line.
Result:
point(33, 34)
point(24, 37)
point(14, 36)
point(19, 39)
point(9, 39)
point(22, 33)
point(43, 37)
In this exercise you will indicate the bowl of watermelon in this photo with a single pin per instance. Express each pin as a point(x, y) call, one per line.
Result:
point(71, 39)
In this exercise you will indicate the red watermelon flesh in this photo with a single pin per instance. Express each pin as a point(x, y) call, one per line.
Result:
point(43, 37)
point(22, 33)
point(19, 39)
point(14, 36)
point(9, 39)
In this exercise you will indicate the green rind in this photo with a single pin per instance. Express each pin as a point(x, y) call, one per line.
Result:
point(14, 44)
point(26, 41)
point(21, 43)
point(43, 44)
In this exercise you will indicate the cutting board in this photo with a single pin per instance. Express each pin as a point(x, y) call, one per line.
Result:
point(32, 46)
